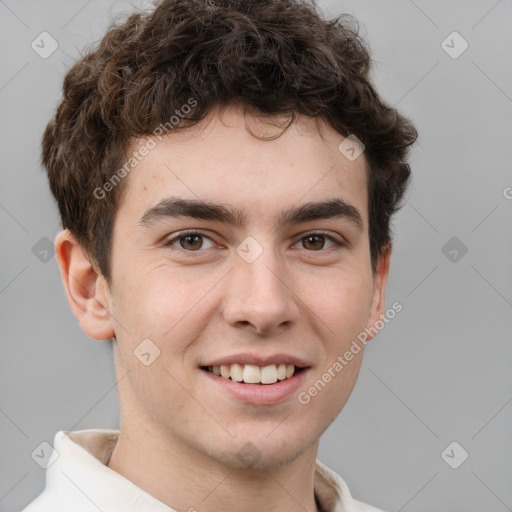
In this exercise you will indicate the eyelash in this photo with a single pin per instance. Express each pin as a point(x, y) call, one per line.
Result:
point(183, 234)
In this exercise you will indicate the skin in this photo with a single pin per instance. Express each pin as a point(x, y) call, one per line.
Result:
point(180, 435)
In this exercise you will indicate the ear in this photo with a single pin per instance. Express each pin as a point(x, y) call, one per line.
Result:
point(380, 280)
point(87, 291)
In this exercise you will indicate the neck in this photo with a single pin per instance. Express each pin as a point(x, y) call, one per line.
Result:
point(188, 481)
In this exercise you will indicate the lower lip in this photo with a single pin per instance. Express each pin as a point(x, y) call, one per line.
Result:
point(258, 394)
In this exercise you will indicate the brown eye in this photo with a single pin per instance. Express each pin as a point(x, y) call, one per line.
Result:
point(316, 241)
point(191, 241)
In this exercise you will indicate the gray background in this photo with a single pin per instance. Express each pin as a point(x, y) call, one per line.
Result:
point(439, 372)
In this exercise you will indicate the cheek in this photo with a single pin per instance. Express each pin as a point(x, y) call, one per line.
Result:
point(151, 300)
point(168, 306)
point(346, 306)
point(343, 303)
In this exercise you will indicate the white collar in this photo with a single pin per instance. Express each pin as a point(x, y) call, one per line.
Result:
point(79, 476)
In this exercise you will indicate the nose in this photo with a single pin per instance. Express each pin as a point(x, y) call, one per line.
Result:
point(259, 295)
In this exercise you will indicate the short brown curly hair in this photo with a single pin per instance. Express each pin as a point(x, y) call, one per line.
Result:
point(274, 56)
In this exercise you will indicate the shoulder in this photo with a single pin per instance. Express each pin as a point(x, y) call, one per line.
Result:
point(336, 495)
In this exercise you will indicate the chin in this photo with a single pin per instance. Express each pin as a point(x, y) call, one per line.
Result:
point(263, 452)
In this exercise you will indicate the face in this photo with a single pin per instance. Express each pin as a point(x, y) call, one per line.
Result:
point(255, 281)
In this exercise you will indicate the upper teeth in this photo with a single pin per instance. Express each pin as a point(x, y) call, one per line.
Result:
point(252, 374)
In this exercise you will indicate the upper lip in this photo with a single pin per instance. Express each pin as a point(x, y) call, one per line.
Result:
point(259, 360)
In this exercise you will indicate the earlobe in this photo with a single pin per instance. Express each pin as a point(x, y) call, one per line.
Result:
point(86, 289)
point(380, 280)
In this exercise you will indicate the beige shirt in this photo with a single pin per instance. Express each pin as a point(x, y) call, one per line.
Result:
point(79, 480)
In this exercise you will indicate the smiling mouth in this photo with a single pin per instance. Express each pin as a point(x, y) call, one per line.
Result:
point(253, 374)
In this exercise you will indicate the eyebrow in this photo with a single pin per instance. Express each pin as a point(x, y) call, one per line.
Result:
point(197, 209)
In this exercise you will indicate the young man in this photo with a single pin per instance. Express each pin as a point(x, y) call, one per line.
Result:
point(225, 174)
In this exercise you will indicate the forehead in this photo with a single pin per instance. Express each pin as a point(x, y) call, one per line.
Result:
point(221, 161)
